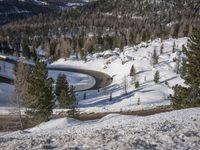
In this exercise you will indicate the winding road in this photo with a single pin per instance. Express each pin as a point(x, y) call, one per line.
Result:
point(102, 79)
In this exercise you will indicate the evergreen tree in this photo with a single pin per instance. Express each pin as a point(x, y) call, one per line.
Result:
point(161, 49)
point(180, 99)
point(133, 74)
point(132, 71)
point(25, 49)
point(184, 49)
point(62, 87)
point(189, 96)
point(72, 96)
point(61, 84)
point(63, 99)
point(73, 103)
point(40, 91)
point(156, 76)
point(192, 65)
point(155, 57)
point(137, 84)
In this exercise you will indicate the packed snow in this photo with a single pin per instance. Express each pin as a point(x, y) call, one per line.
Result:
point(172, 130)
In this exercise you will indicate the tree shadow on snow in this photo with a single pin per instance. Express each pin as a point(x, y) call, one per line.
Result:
point(106, 99)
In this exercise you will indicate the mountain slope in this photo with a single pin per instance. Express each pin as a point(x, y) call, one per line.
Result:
point(104, 24)
point(15, 9)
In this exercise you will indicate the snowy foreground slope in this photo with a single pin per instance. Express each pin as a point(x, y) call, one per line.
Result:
point(172, 130)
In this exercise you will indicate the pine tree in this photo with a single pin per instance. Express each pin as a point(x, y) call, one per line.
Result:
point(180, 99)
point(62, 87)
point(61, 84)
point(63, 99)
point(133, 74)
point(156, 76)
point(184, 49)
point(25, 49)
point(40, 91)
point(189, 96)
point(73, 103)
point(155, 57)
point(192, 66)
point(161, 49)
point(72, 96)
point(132, 71)
point(137, 84)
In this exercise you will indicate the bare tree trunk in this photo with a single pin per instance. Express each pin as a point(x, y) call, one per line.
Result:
point(19, 113)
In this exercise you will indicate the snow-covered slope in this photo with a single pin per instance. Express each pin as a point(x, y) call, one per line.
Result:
point(172, 130)
point(118, 66)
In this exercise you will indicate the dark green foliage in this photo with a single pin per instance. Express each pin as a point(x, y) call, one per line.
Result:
point(109, 31)
point(167, 84)
point(132, 71)
point(72, 96)
point(176, 30)
point(184, 49)
point(156, 77)
point(62, 90)
point(137, 84)
point(61, 84)
point(83, 55)
point(65, 95)
point(40, 92)
point(192, 66)
point(108, 42)
point(180, 98)
point(161, 49)
point(25, 49)
point(155, 57)
point(189, 96)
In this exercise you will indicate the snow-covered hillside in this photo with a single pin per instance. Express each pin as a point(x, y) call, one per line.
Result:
point(118, 65)
point(172, 130)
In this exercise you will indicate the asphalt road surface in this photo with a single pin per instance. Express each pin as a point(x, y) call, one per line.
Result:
point(102, 79)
